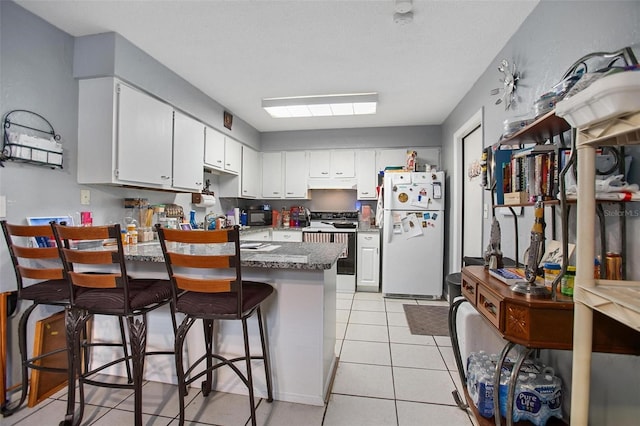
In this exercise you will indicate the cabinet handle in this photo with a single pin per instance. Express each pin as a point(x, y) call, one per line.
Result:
point(339, 173)
point(365, 192)
point(469, 289)
point(275, 193)
point(228, 164)
point(198, 183)
point(289, 193)
point(368, 238)
point(218, 161)
point(287, 236)
point(165, 177)
point(324, 173)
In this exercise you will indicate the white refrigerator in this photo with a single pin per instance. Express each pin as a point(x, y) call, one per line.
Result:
point(413, 234)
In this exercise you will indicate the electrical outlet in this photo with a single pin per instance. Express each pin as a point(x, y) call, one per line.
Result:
point(486, 211)
point(85, 197)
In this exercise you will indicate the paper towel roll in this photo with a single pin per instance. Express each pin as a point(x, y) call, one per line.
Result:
point(236, 215)
point(207, 201)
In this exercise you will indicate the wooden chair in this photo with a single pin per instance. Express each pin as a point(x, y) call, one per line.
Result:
point(215, 292)
point(34, 263)
point(96, 291)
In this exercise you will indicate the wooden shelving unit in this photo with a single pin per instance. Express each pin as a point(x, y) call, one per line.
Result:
point(619, 300)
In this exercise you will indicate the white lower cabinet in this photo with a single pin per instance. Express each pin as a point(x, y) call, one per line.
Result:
point(263, 235)
point(368, 263)
point(284, 235)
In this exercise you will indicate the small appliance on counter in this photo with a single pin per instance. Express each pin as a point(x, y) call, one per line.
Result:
point(259, 217)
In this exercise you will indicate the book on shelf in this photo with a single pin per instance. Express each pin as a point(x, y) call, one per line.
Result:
point(508, 276)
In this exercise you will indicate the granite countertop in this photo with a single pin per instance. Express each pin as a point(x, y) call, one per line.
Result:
point(280, 255)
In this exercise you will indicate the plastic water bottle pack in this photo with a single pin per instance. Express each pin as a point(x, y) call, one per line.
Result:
point(538, 394)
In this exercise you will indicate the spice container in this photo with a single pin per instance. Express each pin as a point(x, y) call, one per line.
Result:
point(132, 233)
point(566, 286)
point(551, 272)
point(613, 266)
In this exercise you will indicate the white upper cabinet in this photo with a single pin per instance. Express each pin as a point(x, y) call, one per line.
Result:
point(232, 155)
point(188, 147)
point(343, 163)
point(367, 175)
point(250, 173)
point(332, 164)
point(390, 158)
point(272, 175)
point(214, 149)
point(221, 152)
point(124, 135)
point(295, 175)
point(320, 164)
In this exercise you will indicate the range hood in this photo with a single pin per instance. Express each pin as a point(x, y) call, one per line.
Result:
point(332, 183)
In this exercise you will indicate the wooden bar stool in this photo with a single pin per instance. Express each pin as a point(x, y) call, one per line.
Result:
point(96, 291)
point(34, 263)
point(215, 292)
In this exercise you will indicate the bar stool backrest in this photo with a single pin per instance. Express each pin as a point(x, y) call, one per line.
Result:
point(204, 261)
point(93, 257)
point(25, 255)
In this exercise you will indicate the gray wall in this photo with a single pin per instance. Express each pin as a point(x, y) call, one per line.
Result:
point(543, 53)
point(379, 137)
point(555, 35)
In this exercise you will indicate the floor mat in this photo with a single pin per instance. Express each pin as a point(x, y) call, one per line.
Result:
point(427, 320)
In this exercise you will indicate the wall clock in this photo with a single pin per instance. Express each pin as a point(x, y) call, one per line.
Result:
point(509, 84)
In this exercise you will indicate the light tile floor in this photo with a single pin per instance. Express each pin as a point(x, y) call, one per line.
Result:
point(386, 376)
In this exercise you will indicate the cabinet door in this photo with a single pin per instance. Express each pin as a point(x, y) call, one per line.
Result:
point(390, 158)
point(295, 175)
point(144, 132)
point(343, 163)
point(368, 261)
point(232, 155)
point(256, 236)
point(320, 164)
point(272, 175)
point(188, 150)
point(250, 172)
point(290, 236)
point(214, 149)
point(367, 176)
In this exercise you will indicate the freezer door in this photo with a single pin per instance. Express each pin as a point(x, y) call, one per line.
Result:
point(414, 191)
point(412, 253)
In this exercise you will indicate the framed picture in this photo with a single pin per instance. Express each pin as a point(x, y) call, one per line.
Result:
point(227, 120)
point(186, 226)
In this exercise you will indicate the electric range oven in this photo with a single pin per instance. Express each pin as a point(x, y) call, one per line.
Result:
point(337, 227)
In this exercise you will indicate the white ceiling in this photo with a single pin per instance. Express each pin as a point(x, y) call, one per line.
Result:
point(240, 51)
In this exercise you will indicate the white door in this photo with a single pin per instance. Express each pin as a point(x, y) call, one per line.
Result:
point(472, 210)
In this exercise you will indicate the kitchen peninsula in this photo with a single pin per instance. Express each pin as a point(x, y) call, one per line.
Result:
point(300, 320)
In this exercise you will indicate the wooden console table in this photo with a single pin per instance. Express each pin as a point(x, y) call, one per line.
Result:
point(532, 323)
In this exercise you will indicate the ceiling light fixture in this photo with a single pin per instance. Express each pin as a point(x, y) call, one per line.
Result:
point(321, 106)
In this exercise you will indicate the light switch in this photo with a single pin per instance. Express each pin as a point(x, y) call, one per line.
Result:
point(486, 211)
point(85, 197)
point(3, 206)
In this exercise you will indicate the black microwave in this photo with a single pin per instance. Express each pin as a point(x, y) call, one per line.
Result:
point(259, 217)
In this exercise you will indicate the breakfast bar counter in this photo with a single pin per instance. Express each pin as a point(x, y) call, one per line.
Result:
point(300, 319)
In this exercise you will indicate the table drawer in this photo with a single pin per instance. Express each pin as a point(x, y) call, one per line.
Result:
point(490, 306)
point(469, 289)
